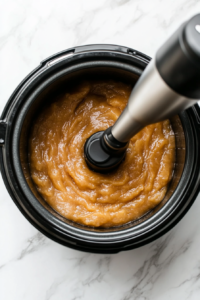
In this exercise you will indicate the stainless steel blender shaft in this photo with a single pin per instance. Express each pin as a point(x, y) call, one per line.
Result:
point(151, 101)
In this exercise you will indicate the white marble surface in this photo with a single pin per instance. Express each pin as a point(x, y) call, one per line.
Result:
point(32, 267)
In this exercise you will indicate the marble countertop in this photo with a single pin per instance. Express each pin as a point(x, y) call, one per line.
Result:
point(31, 265)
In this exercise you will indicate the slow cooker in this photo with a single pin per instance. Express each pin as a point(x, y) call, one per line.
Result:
point(122, 63)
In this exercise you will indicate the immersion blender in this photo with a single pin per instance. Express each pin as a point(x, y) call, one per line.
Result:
point(168, 85)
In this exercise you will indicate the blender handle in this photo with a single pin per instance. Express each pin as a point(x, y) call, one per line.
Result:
point(178, 59)
point(169, 84)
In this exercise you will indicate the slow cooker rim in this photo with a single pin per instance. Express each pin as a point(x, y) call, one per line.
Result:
point(121, 230)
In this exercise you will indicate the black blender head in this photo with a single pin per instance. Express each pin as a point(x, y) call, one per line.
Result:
point(103, 152)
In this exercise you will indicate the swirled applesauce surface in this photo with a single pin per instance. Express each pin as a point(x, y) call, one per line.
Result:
point(61, 175)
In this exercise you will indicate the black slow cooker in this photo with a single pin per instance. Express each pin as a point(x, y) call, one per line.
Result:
point(124, 64)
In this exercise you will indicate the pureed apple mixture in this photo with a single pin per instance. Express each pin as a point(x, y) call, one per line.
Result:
point(62, 177)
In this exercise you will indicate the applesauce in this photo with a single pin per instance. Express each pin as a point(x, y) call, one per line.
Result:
point(61, 175)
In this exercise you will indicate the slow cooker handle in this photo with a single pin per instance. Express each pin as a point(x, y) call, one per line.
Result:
point(3, 126)
point(2, 132)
